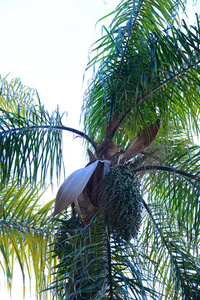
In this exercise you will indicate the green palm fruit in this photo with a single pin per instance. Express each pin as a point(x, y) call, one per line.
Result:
point(120, 202)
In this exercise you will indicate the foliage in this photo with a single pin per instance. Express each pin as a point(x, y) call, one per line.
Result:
point(147, 74)
point(24, 233)
point(148, 70)
point(116, 273)
point(170, 235)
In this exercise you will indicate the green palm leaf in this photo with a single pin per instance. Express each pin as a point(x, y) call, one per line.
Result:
point(152, 73)
point(25, 233)
point(94, 265)
point(27, 139)
point(175, 264)
point(148, 64)
point(171, 235)
point(31, 138)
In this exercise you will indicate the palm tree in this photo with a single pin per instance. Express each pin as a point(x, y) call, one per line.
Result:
point(130, 222)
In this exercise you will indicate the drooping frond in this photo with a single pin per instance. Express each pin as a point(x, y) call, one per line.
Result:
point(14, 93)
point(170, 235)
point(30, 138)
point(147, 69)
point(28, 141)
point(94, 265)
point(173, 261)
point(25, 233)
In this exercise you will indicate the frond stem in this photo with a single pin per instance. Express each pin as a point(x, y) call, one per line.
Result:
point(123, 56)
point(109, 263)
point(156, 88)
point(117, 126)
point(80, 133)
point(169, 169)
point(164, 240)
point(154, 222)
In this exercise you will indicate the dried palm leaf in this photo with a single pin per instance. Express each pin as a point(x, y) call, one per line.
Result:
point(73, 186)
point(140, 142)
point(87, 202)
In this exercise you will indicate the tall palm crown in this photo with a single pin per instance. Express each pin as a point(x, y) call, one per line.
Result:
point(141, 111)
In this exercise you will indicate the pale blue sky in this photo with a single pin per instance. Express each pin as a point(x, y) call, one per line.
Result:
point(46, 44)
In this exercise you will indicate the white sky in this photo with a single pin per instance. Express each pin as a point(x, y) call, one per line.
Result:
point(46, 44)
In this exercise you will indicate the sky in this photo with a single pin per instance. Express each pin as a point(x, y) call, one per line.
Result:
point(46, 44)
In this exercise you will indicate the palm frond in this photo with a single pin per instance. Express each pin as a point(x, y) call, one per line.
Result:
point(172, 261)
point(125, 19)
point(95, 265)
point(28, 140)
point(14, 93)
point(177, 191)
point(25, 233)
point(31, 138)
point(153, 72)
point(170, 237)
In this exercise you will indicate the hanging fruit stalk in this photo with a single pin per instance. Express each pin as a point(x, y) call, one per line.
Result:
point(82, 186)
